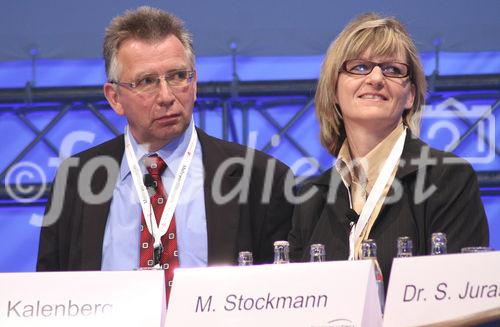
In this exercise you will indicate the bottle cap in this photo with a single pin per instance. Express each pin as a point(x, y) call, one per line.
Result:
point(281, 243)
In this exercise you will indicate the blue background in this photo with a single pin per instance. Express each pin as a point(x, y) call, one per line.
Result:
point(55, 45)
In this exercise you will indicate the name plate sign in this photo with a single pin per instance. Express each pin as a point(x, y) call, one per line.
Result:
point(433, 289)
point(93, 298)
point(341, 293)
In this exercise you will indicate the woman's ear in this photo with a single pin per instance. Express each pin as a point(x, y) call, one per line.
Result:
point(411, 97)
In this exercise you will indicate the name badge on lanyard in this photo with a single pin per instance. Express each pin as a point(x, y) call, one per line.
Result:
point(376, 193)
point(158, 230)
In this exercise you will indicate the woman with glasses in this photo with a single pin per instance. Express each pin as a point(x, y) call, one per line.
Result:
point(385, 182)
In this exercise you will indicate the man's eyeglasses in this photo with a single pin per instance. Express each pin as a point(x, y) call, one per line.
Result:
point(365, 67)
point(151, 83)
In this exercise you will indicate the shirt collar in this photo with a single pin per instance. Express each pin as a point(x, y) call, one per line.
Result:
point(367, 169)
point(172, 153)
point(343, 164)
point(373, 162)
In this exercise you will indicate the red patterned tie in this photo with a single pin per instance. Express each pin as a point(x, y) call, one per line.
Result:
point(169, 256)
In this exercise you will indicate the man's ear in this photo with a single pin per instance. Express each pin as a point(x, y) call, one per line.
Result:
point(195, 86)
point(111, 94)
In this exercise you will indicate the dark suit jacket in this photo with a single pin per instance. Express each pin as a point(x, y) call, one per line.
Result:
point(74, 240)
point(454, 208)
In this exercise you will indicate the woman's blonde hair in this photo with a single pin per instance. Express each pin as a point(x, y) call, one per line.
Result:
point(383, 36)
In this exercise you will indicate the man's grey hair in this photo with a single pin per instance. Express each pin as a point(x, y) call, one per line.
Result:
point(145, 24)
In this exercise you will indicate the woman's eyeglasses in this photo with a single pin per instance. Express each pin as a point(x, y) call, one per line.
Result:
point(365, 67)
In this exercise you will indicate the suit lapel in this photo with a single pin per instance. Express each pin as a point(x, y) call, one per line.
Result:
point(333, 221)
point(339, 205)
point(407, 167)
point(95, 216)
point(411, 152)
point(222, 219)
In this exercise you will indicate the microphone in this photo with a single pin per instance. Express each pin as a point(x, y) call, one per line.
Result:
point(352, 216)
point(150, 184)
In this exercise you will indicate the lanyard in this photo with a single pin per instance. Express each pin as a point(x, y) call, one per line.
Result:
point(376, 192)
point(158, 230)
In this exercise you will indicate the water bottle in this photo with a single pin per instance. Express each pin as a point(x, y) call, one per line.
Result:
point(405, 247)
point(281, 252)
point(317, 253)
point(438, 243)
point(369, 252)
point(245, 258)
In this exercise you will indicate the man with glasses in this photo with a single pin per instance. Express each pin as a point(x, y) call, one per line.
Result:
point(169, 204)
